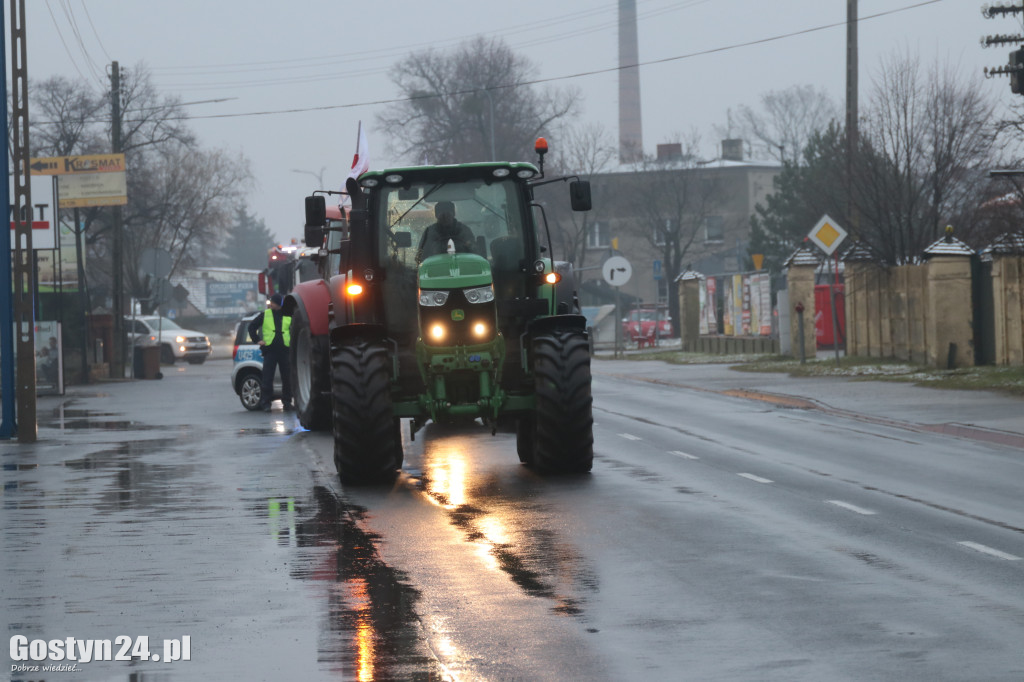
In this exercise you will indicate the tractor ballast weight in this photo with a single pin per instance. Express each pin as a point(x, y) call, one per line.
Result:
point(438, 302)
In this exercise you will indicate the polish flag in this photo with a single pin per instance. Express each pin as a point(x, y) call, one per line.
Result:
point(360, 162)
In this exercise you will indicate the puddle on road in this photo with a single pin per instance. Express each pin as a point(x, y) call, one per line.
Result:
point(132, 483)
point(511, 531)
point(370, 629)
point(67, 419)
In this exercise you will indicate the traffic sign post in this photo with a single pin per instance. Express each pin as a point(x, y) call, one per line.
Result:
point(617, 271)
point(828, 235)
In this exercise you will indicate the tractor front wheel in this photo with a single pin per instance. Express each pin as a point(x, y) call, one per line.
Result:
point(562, 425)
point(367, 442)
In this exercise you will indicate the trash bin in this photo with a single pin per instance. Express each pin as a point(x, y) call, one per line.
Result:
point(147, 362)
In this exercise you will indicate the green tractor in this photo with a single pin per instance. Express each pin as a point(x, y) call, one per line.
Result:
point(438, 302)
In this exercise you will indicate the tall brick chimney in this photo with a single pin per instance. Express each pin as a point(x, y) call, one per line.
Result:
point(631, 144)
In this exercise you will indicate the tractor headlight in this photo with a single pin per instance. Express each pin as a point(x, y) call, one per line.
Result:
point(480, 294)
point(437, 332)
point(433, 299)
point(480, 329)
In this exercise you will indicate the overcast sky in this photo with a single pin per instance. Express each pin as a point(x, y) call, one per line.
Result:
point(334, 55)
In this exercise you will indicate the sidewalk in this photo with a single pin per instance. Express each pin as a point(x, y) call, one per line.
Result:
point(979, 415)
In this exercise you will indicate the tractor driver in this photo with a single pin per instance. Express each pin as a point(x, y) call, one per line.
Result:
point(435, 237)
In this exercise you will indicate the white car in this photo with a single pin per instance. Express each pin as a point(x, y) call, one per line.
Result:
point(175, 342)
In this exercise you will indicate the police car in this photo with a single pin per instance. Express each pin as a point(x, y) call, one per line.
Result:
point(247, 368)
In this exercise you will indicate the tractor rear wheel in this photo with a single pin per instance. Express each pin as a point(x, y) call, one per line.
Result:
point(563, 422)
point(309, 376)
point(367, 440)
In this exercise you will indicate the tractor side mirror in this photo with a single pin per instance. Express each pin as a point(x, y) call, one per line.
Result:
point(316, 220)
point(579, 195)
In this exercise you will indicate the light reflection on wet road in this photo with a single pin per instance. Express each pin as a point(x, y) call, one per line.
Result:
point(116, 524)
point(503, 517)
point(133, 517)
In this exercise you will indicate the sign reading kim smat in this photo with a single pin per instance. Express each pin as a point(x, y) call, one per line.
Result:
point(827, 235)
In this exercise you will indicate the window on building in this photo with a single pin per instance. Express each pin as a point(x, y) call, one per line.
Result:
point(662, 290)
point(598, 236)
point(660, 232)
point(713, 228)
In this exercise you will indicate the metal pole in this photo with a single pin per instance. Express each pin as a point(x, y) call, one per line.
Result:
point(82, 298)
point(618, 323)
point(852, 132)
point(800, 333)
point(7, 402)
point(24, 266)
point(118, 356)
point(835, 321)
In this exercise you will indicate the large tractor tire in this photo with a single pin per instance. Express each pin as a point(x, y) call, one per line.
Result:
point(310, 375)
point(526, 436)
point(367, 437)
point(563, 423)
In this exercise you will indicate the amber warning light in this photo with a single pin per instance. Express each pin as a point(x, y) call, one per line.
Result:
point(541, 146)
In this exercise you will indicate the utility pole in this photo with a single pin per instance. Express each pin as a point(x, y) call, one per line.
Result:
point(24, 263)
point(851, 105)
point(7, 381)
point(117, 363)
point(1015, 67)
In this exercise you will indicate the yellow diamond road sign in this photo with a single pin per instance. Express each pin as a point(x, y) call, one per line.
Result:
point(827, 235)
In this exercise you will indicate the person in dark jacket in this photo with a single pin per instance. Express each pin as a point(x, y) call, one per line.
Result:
point(435, 237)
point(273, 332)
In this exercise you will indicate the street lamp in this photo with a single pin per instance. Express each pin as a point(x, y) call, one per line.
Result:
point(319, 176)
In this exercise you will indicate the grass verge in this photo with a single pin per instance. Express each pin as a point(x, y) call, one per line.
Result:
point(1008, 380)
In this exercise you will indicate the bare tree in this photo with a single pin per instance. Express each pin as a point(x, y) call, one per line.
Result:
point(180, 196)
point(191, 202)
point(670, 200)
point(783, 125)
point(462, 101)
point(928, 141)
point(584, 151)
point(64, 119)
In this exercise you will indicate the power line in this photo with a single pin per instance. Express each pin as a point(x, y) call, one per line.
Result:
point(73, 23)
point(361, 55)
point(63, 42)
point(95, 33)
point(581, 74)
point(384, 53)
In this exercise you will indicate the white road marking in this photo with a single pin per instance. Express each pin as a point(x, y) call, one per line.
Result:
point(851, 507)
point(630, 436)
point(677, 453)
point(988, 550)
point(756, 479)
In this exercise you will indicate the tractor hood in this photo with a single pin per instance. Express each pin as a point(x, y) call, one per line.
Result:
point(454, 271)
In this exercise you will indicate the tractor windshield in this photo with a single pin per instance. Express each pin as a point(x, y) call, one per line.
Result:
point(478, 216)
point(415, 221)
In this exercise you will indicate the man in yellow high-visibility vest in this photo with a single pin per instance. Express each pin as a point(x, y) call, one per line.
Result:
point(273, 332)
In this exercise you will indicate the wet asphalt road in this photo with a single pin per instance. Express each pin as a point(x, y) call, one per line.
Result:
point(718, 538)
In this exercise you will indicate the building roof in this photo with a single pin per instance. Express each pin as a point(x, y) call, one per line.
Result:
point(691, 165)
point(858, 253)
point(688, 275)
point(948, 246)
point(802, 256)
point(1011, 243)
